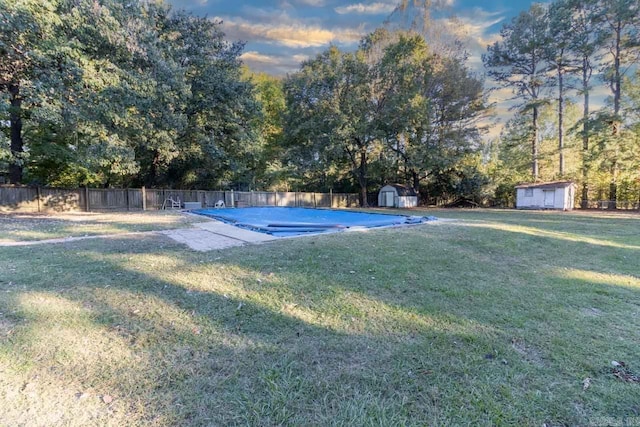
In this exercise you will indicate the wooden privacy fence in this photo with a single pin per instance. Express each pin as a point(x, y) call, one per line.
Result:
point(43, 199)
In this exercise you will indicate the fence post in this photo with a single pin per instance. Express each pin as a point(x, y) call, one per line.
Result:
point(275, 198)
point(87, 205)
point(128, 205)
point(233, 202)
point(38, 197)
point(315, 204)
point(144, 198)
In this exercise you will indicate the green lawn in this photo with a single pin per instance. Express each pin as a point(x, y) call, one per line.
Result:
point(497, 318)
point(18, 227)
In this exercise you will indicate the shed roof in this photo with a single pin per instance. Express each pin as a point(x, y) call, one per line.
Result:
point(553, 184)
point(403, 190)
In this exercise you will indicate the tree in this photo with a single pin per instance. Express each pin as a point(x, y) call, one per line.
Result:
point(517, 62)
point(620, 31)
point(27, 36)
point(433, 103)
point(119, 93)
point(331, 102)
point(218, 144)
point(584, 44)
point(269, 94)
point(557, 54)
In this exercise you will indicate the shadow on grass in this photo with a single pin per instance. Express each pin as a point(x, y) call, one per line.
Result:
point(202, 357)
point(415, 326)
point(30, 227)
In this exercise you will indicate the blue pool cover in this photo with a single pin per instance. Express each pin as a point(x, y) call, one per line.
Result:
point(295, 221)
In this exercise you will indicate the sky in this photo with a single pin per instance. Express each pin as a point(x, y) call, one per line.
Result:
point(280, 34)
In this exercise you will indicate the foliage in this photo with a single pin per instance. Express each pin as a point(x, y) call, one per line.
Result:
point(393, 107)
point(129, 93)
point(517, 62)
point(578, 36)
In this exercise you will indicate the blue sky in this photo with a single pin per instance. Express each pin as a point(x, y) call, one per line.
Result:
point(279, 34)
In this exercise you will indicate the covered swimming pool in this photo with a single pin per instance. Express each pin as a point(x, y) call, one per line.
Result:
point(282, 222)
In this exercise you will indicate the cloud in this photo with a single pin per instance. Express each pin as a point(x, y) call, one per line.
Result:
point(276, 65)
point(255, 57)
point(290, 33)
point(314, 3)
point(366, 9)
point(474, 27)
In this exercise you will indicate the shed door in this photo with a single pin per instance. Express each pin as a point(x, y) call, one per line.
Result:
point(549, 197)
point(389, 196)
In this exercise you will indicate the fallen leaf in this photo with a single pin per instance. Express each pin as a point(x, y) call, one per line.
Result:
point(107, 399)
point(586, 383)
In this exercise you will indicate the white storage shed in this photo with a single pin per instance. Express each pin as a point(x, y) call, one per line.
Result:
point(546, 195)
point(397, 196)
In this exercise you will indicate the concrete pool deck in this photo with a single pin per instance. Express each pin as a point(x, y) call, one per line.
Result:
point(212, 235)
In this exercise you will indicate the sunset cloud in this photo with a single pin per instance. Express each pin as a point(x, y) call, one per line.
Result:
point(366, 9)
point(293, 34)
point(273, 64)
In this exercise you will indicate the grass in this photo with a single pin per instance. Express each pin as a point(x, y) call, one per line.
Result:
point(18, 227)
point(495, 319)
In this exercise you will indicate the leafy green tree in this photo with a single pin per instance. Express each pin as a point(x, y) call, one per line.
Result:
point(561, 62)
point(620, 32)
point(28, 42)
point(584, 44)
point(332, 110)
point(269, 94)
point(430, 117)
point(517, 62)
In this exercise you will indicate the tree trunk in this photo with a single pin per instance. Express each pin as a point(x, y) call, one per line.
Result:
point(415, 181)
point(534, 145)
point(152, 178)
point(585, 133)
point(616, 86)
point(17, 143)
point(362, 179)
point(560, 120)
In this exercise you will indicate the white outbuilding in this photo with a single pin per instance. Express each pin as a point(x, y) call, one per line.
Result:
point(397, 196)
point(546, 195)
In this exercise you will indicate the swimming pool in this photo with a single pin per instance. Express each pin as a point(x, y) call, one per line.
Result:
point(281, 222)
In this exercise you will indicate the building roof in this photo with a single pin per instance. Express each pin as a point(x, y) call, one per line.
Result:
point(553, 184)
point(403, 190)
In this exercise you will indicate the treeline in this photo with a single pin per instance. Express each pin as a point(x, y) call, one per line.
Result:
point(557, 59)
point(392, 111)
point(116, 93)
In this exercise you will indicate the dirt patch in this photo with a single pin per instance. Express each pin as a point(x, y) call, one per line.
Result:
point(528, 352)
